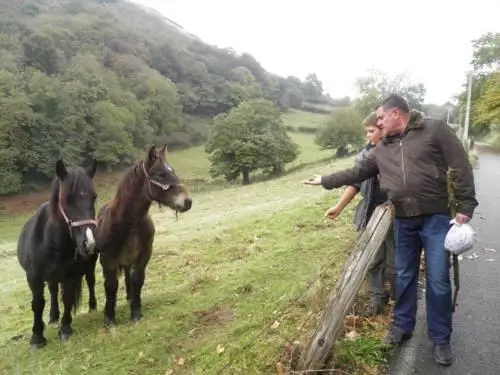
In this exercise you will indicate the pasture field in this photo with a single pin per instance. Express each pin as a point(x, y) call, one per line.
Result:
point(296, 118)
point(221, 290)
point(232, 265)
point(191, 164)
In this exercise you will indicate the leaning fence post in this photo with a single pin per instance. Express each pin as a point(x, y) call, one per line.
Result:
point(320, 347)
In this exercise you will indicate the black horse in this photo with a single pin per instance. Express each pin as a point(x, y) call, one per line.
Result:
point(56, 245)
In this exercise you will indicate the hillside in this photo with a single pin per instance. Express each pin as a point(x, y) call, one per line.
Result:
point(105, 78)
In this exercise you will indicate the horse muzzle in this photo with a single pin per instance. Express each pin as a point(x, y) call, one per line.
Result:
point(89, 242)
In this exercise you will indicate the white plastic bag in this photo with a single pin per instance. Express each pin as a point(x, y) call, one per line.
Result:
point(460, 238)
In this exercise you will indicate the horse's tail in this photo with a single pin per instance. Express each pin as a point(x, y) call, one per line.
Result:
point(76, 293)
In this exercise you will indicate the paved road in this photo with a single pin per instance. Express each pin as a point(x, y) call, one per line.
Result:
point(476, 335)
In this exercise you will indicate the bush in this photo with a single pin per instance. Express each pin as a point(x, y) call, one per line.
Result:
point(343, 127)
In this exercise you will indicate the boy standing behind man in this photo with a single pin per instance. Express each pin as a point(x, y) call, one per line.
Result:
point(383, 264)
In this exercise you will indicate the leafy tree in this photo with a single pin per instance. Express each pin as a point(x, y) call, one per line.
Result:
point(484, 92)
point(378, 84)
point(313, 88)
point(488, 104)
point(249, 137)
point(105, 78)
point(341, 129)
point(486, 55)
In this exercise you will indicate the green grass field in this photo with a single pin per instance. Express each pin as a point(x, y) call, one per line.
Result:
point(191, 165)
point(220, 290)
point(297, 118)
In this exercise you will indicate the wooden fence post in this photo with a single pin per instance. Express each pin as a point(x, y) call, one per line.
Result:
point(321, 344)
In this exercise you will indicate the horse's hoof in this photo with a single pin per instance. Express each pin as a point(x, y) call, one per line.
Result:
point(53, 321)
point(63, 337)
point(64, 334)
point(37, 342)
point(109, 323)
point(92, 309)
point(136, 316)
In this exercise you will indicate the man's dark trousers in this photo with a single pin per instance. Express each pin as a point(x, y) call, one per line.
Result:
point(410, 236)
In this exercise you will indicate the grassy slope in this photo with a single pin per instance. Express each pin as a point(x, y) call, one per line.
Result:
point(191, 165)
point(246, 260)
point(297, 118)
point(219, 275)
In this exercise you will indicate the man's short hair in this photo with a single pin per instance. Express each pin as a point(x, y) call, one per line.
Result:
point(371, 119)
point(395, 101)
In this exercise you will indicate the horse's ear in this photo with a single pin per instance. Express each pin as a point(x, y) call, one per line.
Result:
point(61, 171)
point(92, 168)
point(152, 154)
point(163, 150)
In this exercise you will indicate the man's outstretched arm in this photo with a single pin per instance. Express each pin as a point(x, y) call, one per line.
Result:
point(365, 169)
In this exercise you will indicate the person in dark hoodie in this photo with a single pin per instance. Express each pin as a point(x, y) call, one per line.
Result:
point(383, 264)
point(412, 161)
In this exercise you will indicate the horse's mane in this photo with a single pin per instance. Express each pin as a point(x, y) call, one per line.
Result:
point(76, 180)
point(127, 183)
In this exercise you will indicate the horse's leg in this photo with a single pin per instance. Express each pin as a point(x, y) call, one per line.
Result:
point(54, 302)
point(71, 293)
point(126, 271)
point(110, 271)
point(90, 279)
point(37, 305)
point(137, 281)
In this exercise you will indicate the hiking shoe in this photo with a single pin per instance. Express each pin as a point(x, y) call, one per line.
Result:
point(442, 354)
point(374, 308)
point(396, 337)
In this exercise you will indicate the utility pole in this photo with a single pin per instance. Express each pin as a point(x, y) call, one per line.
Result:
point(448, 116)
point(460, 126)
point(467, 114)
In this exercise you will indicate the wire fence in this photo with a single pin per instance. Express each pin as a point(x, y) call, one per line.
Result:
point(291, 304)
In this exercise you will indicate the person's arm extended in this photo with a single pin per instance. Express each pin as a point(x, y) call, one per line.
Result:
point(365, 169)
point(346, 198)
point(334, 211)
point(457, 159)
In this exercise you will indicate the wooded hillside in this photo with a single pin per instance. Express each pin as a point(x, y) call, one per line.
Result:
point(105, 78)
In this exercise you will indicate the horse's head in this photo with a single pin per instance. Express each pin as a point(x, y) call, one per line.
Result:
point(162, 184)
point(74, 200)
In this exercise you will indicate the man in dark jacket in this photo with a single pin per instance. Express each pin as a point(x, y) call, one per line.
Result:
point(412, 161)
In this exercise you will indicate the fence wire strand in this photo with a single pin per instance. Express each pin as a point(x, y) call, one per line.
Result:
point(291, 303)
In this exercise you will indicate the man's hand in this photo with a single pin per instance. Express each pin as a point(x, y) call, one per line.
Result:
point(333, 212)
point(316, 180)
point(461, 219)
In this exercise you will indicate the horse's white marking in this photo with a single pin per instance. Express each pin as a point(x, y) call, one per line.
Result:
point(180, 199)
point(90, 240)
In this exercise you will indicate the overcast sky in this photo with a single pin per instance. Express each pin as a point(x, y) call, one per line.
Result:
point(342, 40)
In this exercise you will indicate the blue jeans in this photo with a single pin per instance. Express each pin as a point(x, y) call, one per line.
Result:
point(410, 236)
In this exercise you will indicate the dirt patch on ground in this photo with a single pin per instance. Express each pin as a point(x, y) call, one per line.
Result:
point(214, 316)
point(23, 203)
point(28, 202)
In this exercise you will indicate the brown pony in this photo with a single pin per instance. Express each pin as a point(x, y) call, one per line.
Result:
point(125, 230)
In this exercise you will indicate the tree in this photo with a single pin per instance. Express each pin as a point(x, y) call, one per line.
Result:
point(378, 84)
point(486, 55)
point(106, 78)
point(342, 128)
point(488, 104)
point(313, 88)
point(249, 137)
point(484, 92)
